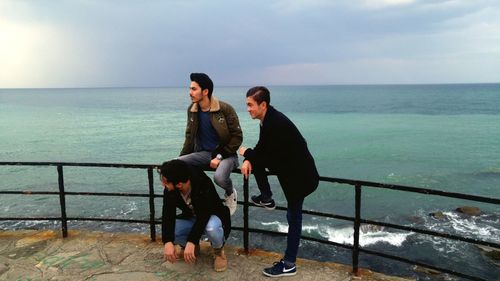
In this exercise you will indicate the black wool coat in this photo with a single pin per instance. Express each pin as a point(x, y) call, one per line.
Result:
point(282, 149)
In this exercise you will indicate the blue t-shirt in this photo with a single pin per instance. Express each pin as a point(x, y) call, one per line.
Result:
point(207, 136)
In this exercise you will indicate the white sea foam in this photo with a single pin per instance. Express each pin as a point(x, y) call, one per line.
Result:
point(278, 226)
point(131, 207)
point(345, 235)
point(478, 227)
point(472, 225)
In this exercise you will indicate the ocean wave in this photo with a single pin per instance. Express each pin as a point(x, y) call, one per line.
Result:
point(483, 227)
point(345, 235)
point(491, 172)
point(368, 235)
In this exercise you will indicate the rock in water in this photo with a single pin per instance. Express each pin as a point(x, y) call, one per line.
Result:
point(471, 211)
point(491, 253)
point(438, 215)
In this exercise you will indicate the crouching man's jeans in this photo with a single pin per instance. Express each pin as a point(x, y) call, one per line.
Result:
point(213, 231)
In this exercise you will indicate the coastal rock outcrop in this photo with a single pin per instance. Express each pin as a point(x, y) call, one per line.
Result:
point(365, 228)
point(427, 271)
point(468, 210)
point(491, 253)
point(438, 215)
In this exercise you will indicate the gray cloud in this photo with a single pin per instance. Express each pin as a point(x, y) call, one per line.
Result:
point(158, 43)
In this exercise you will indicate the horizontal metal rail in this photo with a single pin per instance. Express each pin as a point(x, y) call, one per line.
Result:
point(357, 220)
point(433, 233)
point(75, 219)
point(115, 194)
point(413, 189)
point(413, 262)
point(73, 164)
point(400, 227)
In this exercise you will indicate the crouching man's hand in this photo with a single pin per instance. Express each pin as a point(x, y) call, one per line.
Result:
point(189, 254)
point(169, 252)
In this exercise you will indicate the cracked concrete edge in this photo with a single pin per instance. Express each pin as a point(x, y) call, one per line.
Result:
point(99, 243)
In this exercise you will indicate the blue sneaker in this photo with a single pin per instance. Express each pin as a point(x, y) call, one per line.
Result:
point(280, 269)
point(268, 204)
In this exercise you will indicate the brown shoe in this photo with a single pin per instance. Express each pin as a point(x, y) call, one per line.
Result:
point(220, 260)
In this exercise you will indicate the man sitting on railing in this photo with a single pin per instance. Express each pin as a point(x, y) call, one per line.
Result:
point(282, 149)
point(192, 191)
point(213, 135)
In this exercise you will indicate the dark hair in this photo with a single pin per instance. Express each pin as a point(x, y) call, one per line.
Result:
point(175, 171)
point(259, 94)
point(204, 81)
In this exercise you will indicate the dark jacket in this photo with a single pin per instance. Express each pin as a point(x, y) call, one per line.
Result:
point(225, 122)
point(206, 202)
point(282, 149)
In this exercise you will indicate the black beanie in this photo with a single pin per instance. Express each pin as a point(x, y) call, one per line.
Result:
point(204, 81)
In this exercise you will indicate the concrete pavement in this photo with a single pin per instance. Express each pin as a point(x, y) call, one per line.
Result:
point(31, 255)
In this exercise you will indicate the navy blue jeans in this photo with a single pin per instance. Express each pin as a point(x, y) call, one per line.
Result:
point(293, 215)
point(260, 175)
point(294, 218)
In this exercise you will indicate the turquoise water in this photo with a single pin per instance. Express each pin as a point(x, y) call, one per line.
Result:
point(442, 137)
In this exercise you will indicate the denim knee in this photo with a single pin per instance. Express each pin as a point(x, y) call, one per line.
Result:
point(215, 232)
point(222, 180)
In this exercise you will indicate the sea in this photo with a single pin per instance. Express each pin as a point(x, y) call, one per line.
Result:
point(443, 137)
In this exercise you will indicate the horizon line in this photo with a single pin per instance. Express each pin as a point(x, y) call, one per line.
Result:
point(269, 85)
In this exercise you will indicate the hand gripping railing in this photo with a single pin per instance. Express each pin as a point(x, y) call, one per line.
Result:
point(357, 220)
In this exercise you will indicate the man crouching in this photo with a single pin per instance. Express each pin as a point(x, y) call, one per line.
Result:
point(192, 191)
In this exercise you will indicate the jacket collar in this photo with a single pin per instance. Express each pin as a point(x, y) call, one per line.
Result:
point(270, 111)
point(214, 105)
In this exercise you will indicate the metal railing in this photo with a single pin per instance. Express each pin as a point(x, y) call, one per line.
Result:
point(357, 219)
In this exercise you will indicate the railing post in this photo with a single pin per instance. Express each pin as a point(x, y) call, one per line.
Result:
point(62, 201)
point(245, 214)
point(152, 224)
point(357, 222)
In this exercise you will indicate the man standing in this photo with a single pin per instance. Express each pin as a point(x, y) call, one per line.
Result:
point(192, 191)
point(281, 149)
point(213, 135)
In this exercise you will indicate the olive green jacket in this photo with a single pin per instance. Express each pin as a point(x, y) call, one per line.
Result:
point(226, 124)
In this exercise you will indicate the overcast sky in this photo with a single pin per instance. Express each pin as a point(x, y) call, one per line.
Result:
point(105, 43)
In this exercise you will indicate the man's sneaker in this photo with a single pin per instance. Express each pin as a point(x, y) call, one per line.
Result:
point(231, 202)
point(280, 269)
point(257, 200)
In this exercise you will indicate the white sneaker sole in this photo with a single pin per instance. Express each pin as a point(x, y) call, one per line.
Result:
point(281, 275)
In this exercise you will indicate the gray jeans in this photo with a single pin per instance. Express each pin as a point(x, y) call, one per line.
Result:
point(222, 175)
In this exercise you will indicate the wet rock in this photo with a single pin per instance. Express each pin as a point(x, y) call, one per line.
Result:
point(492, 253)
point(432, 274)
point(467, 210)
point(365, 228)
point(425, 270)
point(438, 215)
point(416, 219)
